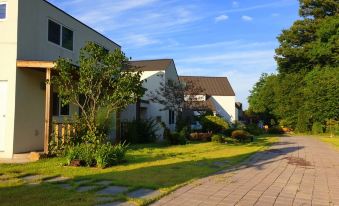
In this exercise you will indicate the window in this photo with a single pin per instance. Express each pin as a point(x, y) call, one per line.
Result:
point(58, 108)
point(171, 117)
point(67, 38)
point(60, 35)
point(3, 11)
point(54, 32)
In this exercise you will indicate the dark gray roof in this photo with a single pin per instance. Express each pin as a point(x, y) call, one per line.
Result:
point(213, 86)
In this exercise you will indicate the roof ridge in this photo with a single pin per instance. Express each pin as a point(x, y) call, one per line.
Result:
point(149, 60)
point(202, 76)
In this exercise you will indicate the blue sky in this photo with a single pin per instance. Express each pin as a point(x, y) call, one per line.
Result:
point(233, 38)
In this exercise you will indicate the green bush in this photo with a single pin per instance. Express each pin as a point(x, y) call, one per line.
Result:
point(275, 130)
point(332, 126)
point(254, 129)
point(140, 131)
point(229, 140)
point(241, 135)
point(90, 155)
point(228, 132)
point(214, 124)
point(317, 128)
point(217, 138)
point(108, 155)
point(205, 137)
point(82, 152)
point(177, 139)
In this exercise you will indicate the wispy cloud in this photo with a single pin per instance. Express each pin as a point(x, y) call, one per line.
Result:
point(222, 17)
point(246, 18)
point(235, 4)
point(277, 4)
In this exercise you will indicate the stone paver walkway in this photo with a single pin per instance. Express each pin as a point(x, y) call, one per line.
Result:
point(294, 171)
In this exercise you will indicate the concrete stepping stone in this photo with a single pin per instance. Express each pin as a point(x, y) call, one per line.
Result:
point(86, 188)
point(118, 204)
point(65, 186)
point(103, 182)
point(144, 193)
point(32, 179)
point(112, 190)
point(221, 163)
point(80, 182)
point(57, 179)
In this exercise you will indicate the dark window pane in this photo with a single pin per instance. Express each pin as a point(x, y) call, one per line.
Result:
point(3, 11)
point(54, 32)
point(67, 38)
point(55, 104)
point(64, 110)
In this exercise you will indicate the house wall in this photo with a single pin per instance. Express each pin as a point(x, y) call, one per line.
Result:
point(225, 106)
point(171, 74)
point(27, 39)
point(8, 53)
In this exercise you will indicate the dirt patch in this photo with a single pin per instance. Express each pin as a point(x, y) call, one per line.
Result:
point(298, 161)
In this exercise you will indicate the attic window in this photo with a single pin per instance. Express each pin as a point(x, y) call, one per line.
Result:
point(60, 35)
point(3, 11)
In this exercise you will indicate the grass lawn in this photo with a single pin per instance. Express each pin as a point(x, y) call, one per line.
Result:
point(331, 140)
point(149, 166)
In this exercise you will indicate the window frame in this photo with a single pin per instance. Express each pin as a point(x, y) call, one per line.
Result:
point(59, 103)
point(60, 35)
point(171, 117)
point(6, 10)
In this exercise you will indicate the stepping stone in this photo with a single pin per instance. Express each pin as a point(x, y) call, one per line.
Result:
point(80, 182)
point(103, 199)
point(117, 204)
point(57, 179)
point(144, 193)
point(221, 163)
point(112, 190)
point(65, 186)
point(85, 188)
point(32, 179)
point(103, 182)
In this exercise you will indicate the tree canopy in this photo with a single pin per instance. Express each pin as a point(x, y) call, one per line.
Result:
point(306, 88)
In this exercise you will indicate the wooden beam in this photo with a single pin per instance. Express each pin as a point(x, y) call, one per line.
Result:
point(48, 112)
point(35, 64)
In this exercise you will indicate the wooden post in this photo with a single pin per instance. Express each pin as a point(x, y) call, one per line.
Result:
point(48, 113)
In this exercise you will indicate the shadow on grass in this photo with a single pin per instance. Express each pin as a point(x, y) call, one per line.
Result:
point(153, 177)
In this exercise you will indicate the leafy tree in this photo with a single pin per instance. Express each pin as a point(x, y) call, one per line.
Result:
point(177, 96)
point(312, 41)
point(321, 94)
point(98, 84)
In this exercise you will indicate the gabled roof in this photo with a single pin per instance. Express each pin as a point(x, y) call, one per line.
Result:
point(151, 65)
point(212, 86)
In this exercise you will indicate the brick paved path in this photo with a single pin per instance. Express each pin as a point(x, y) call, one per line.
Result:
point(294, 171)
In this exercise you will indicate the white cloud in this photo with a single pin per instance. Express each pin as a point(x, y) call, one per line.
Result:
point(235, 4)
point(221, 18)
point(275, 14)
point(247, 18)
point(139, 40)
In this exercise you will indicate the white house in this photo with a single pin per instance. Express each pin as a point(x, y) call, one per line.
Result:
point(33, 34)
point(217, 95)
point(154, 74)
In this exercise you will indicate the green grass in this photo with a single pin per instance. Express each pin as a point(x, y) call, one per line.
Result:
point(331, 140)
point(149, 166)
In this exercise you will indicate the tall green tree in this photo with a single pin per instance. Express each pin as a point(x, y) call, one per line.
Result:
point(97, 84)
point(312, 41)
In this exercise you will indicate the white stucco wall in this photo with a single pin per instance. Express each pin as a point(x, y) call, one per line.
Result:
point(225, 106)
point(8, 53)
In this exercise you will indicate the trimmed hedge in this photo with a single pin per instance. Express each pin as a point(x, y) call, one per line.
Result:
point(214, 124)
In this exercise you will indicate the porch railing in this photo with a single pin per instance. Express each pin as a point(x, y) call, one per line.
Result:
point(60, 131)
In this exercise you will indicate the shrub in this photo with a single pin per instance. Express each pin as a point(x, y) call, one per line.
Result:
point(229, 140)
point(317, 128)
point(206, 137)
point(82, 152)
point(332, 126)
point(140, 131)
point(275, 130)
point(177, 139)
point(241, 135)
point(217, 138)
point(214, 123)
point(103, 155)
point(108, 155)
point(254, 129)
point(228, 132)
